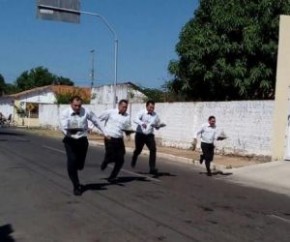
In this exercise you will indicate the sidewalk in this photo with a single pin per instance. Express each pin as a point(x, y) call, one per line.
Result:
point(272, 176)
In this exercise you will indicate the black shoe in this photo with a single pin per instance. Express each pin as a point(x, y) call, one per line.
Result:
point(104, 165)
point(78, 190)
point(209, 173)
point(153, 171)
point(201, 159)
point(112, 179)
point(133, 163)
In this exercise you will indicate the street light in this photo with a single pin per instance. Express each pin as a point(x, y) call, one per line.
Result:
point(46, 9)
point(93, 69)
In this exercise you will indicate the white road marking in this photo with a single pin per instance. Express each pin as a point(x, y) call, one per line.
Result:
point(123, 170)
point(54, 149)
point(280, 218)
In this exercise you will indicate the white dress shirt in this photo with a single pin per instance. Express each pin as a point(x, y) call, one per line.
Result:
point(143, 117)
point(207, 133)
point(115, 122)
point(69, 119)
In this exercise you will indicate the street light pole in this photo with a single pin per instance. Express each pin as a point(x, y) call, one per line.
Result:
point(116, 71)
point(49, 10)
point(93, 69)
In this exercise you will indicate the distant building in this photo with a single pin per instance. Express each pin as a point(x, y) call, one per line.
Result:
point(105, 94)
point(26, 103)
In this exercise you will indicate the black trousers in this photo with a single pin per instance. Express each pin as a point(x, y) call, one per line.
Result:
point(208, 153)
point(114, 153)
point(76, 151)
point(140, 141)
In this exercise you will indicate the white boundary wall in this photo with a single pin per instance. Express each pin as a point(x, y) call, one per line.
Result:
point(248, 124)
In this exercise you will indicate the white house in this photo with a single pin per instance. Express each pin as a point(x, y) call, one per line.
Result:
point(28, 101)
point(105, 94)
point(10, 104)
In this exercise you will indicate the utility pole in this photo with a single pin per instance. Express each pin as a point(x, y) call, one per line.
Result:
point(92, 69)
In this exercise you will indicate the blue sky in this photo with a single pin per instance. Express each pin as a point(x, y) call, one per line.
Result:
point(147, 31)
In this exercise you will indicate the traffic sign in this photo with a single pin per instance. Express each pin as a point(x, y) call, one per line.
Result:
point(59, 10)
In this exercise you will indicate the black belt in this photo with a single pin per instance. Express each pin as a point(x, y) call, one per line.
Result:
point(112, 138)
point(83, 138)
point(151, 134)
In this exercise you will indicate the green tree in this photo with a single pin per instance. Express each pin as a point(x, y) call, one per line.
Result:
point(38, 77)
point(228, 51)
point(63, 81)
point(2, 85)
point(10, 89)
point(6, 88)
point(154, 94)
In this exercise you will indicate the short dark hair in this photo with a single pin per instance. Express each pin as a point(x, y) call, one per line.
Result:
point(150, 102)
point(211, 117)
point(75, 97)
point(123, 101)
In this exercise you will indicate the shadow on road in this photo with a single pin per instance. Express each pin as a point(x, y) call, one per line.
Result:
point(10, 133)
point(95, 187)
point(119, 181)
point(126, 179)
point(214, 173)
point(158, 174)
point(5, 233)
point(14, 137)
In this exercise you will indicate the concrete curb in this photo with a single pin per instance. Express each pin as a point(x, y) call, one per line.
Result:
point(168, 156)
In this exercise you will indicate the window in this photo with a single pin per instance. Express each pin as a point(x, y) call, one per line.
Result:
point(32, 110)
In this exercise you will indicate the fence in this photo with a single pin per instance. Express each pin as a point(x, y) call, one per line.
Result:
point(248, 124)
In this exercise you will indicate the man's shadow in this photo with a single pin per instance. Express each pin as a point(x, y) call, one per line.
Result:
point(157, 174)
point(95, 187)
point(214, 173)
point(5, 233)
point(120, 181)
point(126, 179)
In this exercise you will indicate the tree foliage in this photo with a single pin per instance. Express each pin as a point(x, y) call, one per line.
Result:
point(64, 95)
point(10, 88)
point(228, 51)
point(35, 77)
point(153, 94)
point(38, 77)
point(6, 88)
point(2, 85)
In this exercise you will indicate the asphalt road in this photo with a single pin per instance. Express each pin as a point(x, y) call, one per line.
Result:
point(181, 204)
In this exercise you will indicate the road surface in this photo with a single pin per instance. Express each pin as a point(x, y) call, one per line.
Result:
point(181, 204)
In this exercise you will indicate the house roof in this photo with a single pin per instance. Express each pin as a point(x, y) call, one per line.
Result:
point(37, 89)
point(57, 89)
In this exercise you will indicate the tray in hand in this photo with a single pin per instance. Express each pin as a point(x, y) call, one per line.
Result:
point(158, 125)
